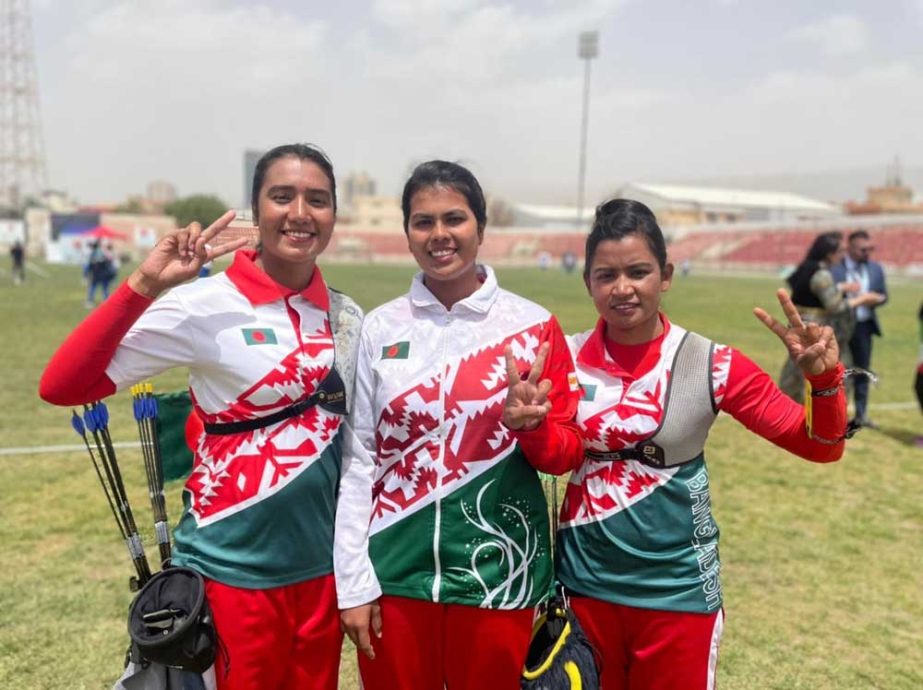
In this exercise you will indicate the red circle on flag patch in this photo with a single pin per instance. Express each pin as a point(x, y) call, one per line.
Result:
point(259, 336)
point(393, 350)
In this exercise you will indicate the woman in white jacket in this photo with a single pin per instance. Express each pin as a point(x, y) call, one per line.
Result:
point(442, 530)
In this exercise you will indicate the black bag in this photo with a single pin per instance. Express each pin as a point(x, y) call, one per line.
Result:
point(170, 622)
point(560, 656)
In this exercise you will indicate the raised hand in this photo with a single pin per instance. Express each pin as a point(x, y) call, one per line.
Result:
point(811, 346)
point(527, 401)
point(178, 256)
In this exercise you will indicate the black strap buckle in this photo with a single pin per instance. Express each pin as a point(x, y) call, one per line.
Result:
point(649, 453)
point(330, 394)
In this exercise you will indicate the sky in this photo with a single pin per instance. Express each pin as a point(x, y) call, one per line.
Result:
point(176, 90)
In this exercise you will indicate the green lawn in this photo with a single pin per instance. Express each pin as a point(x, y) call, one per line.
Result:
point(822, 564)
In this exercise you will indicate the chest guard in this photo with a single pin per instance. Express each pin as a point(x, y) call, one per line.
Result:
point(345, 322)
point(688, 411)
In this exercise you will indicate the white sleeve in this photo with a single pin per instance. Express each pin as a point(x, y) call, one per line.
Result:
point(162, 338)
point(356, 581)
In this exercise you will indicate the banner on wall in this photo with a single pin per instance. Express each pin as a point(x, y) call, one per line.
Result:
point(67, 245)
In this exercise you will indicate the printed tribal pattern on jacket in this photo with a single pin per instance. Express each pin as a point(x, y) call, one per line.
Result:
point(473, 390)
point(238, 470)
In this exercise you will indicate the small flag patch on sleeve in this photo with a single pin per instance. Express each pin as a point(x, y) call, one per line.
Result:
point(399, 350)
point(587, 391)
point(259, 336)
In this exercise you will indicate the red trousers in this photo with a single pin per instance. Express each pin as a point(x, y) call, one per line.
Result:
point(645, 649)
point(283, 638)
point(427, 646)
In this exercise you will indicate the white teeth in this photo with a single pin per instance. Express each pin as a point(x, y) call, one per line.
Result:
point(442, 252)
point(298, 235)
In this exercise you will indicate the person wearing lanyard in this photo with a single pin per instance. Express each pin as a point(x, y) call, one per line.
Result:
point(259, 343)
point(857, 267)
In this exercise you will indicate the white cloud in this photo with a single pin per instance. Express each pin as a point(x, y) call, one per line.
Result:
point(142, 90)
point(840, 34)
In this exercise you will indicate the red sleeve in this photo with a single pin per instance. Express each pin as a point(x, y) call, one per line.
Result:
point(754, 400)
point(556, 446)
point(76, 373)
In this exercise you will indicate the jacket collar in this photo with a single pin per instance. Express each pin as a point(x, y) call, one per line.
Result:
point(594, 354)
point(479, 301)
point(256, 285)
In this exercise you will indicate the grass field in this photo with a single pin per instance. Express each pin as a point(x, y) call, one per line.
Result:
point(823, 565)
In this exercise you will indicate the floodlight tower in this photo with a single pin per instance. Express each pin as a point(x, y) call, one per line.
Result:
point(22, 155)
point(587, 49)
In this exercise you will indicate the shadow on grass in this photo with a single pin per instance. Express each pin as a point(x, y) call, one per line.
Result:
point(903, 436)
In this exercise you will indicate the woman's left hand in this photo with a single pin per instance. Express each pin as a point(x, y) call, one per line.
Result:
point(811, 346)
point(527, 401)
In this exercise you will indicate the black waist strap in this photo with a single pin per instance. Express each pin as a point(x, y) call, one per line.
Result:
point(330, 395)
point(648, 453)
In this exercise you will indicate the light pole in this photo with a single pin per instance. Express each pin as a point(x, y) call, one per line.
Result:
point(587, 49)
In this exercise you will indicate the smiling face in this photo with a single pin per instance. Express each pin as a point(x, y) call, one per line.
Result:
point(296, 218)
point(625, 282)
point(443, 235)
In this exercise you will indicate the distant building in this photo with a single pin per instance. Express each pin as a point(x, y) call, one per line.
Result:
point(376, 212)
point(893, 197)
point(550, 217)
point(686, 205)
point(251, 158)
point(355, 185)
point(160, 193)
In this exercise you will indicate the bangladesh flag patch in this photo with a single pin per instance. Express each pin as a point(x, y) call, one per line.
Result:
point(587, 391)
point(259, 336)
point(399, 350)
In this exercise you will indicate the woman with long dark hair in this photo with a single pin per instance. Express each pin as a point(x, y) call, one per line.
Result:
point(258, 341)
point(819, 299)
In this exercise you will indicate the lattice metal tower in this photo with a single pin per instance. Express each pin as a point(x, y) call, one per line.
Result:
point(22, 155)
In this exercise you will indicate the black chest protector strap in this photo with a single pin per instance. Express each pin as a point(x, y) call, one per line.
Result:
point(689, 411)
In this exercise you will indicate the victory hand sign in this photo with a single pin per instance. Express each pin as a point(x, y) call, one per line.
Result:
point(178, 256)
point(527, 401)
point(811, 346)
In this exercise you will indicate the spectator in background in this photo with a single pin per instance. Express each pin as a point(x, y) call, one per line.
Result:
point(820, 299)
point(18, 257)
point(111, 269)
point(867, 277)
point(99, 272)
point(918, 383)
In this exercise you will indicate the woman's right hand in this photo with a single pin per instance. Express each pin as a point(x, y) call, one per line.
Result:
point(356, 623)
point(179, 255)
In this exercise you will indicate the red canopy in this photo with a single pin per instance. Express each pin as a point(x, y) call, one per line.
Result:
point(103, 232)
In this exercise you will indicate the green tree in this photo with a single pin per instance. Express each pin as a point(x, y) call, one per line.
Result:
point(204, 208)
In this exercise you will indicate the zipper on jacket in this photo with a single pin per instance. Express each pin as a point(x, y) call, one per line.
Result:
point(440, 467)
